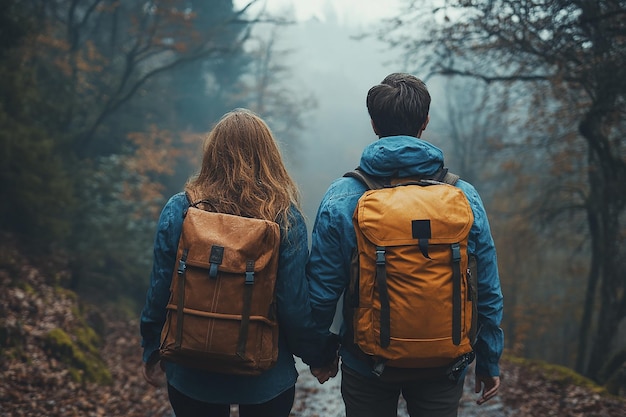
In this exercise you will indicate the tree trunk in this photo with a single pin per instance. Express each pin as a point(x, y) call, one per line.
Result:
point(592, 284)
point(607, 175)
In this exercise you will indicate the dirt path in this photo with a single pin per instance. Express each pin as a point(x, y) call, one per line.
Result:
point(315, 400)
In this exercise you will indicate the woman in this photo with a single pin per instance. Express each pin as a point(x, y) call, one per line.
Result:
point(243, 174)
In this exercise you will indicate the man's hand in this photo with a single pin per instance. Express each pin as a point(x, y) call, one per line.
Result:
point(324, 373)
point(154, 374)
point(489, 386)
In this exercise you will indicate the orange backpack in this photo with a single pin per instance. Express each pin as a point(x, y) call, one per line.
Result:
point(412, 294)
point(221, 314)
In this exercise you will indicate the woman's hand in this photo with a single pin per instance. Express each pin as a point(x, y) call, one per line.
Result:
point(154, 373)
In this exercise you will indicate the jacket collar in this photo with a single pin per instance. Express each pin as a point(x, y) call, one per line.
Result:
point(401, 156)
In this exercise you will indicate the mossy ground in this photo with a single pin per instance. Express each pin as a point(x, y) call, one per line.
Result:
point(79, 353)
point(557, 373)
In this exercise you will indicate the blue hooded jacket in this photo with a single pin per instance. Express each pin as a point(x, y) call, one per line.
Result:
point(334, 240)
point(296, 326)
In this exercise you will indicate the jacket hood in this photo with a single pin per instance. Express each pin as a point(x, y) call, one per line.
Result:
point(401, 156)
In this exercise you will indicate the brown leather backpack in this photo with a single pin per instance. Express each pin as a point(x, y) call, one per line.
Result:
point(221, 315)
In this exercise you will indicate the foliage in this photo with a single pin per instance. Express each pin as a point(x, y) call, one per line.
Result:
point(34, 179)
point(34, 176)
point(122, 196)
point(104, 106)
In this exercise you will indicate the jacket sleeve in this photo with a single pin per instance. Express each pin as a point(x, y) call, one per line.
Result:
point(315, 346)
point(329, 261)
point(490, 340)
point(165, 246)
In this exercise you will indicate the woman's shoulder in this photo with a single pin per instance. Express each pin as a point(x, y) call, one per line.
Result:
point(174, 207)
point(177, 202)
point(178, 198)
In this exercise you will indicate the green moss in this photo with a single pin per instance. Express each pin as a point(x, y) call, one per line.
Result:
point(556, 373)
point(26, 287)
point(91, 326)
point(66, 292)
point(81, 356)
point(87, 338)
point(59, 343)
point(29, 289)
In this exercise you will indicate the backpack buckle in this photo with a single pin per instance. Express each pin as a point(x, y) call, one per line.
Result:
point(380, 255)
point(456, 369)
point(249, 272)
point(182, 263)
point(456, 252)
point(215, 259)
point(379, 368)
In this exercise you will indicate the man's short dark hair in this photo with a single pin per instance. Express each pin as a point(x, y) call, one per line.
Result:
point(399, 105)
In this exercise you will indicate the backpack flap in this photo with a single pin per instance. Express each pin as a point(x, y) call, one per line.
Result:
point(412, 242)
point(257, 240)
point(234, 243)
point(410, 209)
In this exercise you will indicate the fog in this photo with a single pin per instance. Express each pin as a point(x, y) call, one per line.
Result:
point(339, 71)
point(329, 61)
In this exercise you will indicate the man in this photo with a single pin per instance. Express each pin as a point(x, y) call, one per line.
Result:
point(398, 108)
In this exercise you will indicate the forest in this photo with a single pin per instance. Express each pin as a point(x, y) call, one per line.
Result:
point(105, 104)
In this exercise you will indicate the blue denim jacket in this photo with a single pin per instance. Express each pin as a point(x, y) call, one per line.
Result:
point(333, 241)
point(296, 333)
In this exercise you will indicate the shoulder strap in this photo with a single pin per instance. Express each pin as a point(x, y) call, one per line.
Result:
point(374, 183)
point(370, 182)
point(449, 178)
point(189, 199)
point(193, 201)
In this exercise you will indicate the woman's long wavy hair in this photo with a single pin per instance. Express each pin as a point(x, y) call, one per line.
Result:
point(242, 171)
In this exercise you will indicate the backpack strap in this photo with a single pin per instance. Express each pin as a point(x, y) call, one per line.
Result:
point(385, 311)
point(374, 183)
point(444, 176)
point(182, 267)
point(189, 199)
point(449, 178)
point(245, 313)
point(456, 294)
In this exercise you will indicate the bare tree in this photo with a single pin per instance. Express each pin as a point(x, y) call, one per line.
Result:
point(269, 89)
point(109, 49)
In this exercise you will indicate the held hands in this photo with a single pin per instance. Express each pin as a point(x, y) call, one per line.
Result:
point(489, 386)
point(324, 373)
point(154, 373)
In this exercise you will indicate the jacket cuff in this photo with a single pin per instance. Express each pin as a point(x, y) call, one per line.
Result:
point(487, 369)
point(328, 352)
point(150, 352)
